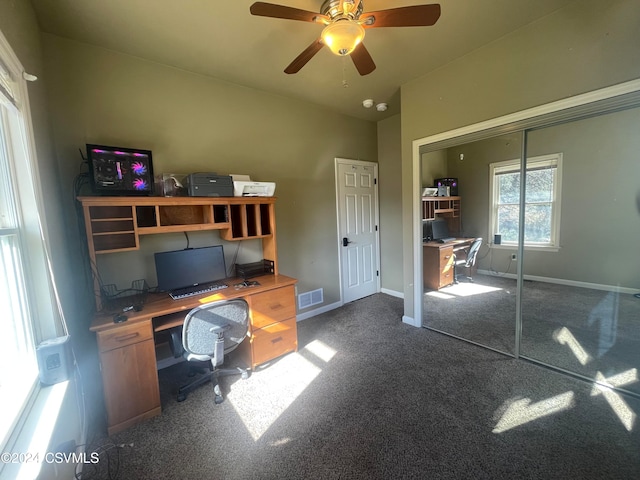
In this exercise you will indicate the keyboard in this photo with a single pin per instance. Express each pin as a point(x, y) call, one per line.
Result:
point(196, 290)
point(448, 239)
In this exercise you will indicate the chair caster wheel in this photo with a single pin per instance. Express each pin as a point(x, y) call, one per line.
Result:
point(181, 397)
point(218, 400)
point(245, 375)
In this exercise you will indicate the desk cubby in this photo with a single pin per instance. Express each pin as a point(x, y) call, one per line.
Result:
point(249, 220)
point(111, 228)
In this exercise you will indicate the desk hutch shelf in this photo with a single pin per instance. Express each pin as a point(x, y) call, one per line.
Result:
point(443, 207)
point(115, 224)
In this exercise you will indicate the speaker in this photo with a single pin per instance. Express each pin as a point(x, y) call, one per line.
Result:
point(54, 360)
point(497, 239)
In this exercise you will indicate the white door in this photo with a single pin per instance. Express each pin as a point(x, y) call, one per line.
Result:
point(357, 200)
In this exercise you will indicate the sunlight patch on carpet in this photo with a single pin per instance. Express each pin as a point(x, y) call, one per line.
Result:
point(626, 415)
point(565, 337)
point(463, 290)
point(267, 394)
point(522, 411)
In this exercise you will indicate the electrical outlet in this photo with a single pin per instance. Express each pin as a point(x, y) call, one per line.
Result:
point(514, 256)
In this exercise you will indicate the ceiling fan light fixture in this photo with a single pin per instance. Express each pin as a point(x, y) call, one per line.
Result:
point(342, 36)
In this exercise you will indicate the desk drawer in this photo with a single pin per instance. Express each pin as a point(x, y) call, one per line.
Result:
point(124, 335)
point(446, 258)
point(275, 340)
point(446, 267)
point(271, 307)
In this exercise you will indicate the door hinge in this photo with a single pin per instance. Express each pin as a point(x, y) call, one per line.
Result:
point(375, 181)
point(377, 273)
point(376, 228)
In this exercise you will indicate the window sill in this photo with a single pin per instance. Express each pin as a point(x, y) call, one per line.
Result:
point(527, 248)
point(25, 458)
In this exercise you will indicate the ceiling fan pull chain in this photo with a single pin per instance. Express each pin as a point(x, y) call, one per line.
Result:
point(345, 84)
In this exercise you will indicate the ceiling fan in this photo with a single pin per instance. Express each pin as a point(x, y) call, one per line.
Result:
point(345, 22)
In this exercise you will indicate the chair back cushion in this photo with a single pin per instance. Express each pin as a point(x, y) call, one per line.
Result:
point(205, 323)
point(473, 252)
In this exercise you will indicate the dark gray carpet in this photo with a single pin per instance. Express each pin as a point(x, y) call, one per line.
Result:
point(585, 331)
point(368, 397)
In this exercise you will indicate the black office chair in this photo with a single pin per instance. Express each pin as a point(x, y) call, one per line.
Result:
point(209, 332)
point(468, 262)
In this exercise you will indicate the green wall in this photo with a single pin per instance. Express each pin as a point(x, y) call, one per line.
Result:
point(390, 199)
point(193, 123)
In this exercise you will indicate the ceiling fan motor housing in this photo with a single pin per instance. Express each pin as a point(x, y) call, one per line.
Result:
point(334, 9)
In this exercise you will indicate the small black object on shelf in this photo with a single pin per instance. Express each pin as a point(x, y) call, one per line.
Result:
point(255, 269)
point(125, 300)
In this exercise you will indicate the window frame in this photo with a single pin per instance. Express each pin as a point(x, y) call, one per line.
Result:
point(23, 202)
point(553, 161)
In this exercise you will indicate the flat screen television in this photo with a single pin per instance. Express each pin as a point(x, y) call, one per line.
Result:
point(186, 268)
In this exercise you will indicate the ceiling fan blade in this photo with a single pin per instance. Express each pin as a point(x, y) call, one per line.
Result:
point(415, 16)
point(362, 60)
point(302, 59)
point(264, 9)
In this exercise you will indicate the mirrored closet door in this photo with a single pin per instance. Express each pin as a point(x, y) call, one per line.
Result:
point(581, 262)
point(557, 277)
point(477, 300)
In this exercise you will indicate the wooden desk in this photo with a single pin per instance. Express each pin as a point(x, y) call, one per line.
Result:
point(437, 261)
point(128, 350)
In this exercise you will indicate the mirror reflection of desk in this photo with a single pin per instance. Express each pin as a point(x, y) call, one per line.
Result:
point(437, 261)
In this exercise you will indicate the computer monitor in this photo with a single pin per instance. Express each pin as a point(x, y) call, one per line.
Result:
point(186, 268)
point(439, 229)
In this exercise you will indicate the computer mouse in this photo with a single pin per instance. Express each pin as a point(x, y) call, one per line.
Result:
point(119, 318)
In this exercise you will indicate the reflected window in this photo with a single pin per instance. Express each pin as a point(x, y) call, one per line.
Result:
point(542, 200)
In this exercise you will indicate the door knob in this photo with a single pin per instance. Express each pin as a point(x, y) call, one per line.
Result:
point(345, 241)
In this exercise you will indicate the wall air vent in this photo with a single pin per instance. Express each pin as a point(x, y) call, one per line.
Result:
point(308, 299)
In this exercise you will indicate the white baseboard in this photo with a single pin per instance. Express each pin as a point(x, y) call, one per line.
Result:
point(318, 311)
point(562, 281)
point(411, 321)
point(393, 293)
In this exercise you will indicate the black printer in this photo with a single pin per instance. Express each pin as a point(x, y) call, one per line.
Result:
point(209, 185)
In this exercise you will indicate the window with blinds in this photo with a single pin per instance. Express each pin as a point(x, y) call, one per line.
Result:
point(542, 200)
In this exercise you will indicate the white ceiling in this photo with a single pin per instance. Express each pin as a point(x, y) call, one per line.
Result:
point(222, 39)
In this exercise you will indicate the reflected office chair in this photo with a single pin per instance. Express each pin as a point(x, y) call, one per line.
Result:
point(210, 332)
point(468, 262)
